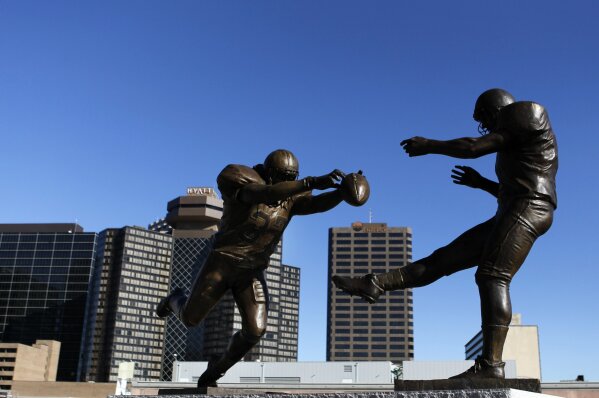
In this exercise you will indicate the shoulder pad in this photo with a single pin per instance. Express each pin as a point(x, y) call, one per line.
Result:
point(235, 176)
point(524, 117)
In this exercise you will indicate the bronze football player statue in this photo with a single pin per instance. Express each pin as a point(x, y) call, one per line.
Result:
point(259, 202)
point(526, 164)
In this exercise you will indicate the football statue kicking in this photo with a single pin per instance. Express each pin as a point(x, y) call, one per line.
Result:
point(259, 202)
point(526, 164)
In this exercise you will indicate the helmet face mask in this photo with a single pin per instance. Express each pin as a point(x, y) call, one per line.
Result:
point(488, 106)
point(277, 175)
point(281, 165)
point(486, 120)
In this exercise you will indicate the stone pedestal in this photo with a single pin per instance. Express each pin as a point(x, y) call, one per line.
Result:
point(450, 393)
point(531, 385)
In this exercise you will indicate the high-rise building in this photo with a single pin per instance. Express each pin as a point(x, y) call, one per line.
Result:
point(288, 320)
point(45, 271)
point(191, 220)
point(131, 278)
point(356, 330)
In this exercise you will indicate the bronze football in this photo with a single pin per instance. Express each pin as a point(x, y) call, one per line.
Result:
point(355, 189)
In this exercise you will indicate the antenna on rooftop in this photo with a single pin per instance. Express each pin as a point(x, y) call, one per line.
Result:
point(74, 227)
point(370, 216)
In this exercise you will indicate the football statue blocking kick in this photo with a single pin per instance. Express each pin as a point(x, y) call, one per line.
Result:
point(526, 165)
point(259, 202)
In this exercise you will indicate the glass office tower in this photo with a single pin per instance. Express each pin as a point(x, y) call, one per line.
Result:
point(45, 270)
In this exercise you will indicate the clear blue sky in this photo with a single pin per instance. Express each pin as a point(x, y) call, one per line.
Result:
point(110, 109)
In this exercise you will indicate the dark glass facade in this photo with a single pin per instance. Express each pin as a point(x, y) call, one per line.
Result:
point(180, 342)
point(44, 280)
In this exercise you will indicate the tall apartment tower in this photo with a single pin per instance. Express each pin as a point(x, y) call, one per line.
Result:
point(131, 278)
point(356, 330)
point(288, 321)
point(45, 272)
point(191, 220)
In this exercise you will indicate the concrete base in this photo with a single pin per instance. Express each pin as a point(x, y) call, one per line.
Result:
point(483, 393)
point(532, 385)
point(214, 391)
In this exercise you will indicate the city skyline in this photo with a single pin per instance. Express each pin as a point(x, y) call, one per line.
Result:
point(103, 104)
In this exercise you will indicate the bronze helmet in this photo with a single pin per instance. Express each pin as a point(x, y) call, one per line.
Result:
point(281, 165)
point(488, 105)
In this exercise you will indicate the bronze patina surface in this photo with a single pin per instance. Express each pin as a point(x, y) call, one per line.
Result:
point(520, 133)
point(259, 202)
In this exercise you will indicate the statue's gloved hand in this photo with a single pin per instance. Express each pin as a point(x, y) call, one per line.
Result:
point(464, 175)
point(326, 181)
point(416, 146)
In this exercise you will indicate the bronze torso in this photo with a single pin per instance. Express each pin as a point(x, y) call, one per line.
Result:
point(248, 233)
point(527, 168)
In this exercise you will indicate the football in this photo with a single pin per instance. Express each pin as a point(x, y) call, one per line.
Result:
point(355, 189)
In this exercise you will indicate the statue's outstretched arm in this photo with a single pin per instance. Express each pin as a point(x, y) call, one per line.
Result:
point(308, 204)
point(261, 193)
point(463, 148)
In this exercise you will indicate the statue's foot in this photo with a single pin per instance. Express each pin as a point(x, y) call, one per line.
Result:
point(163, 309)
point(483, 369)
point(366, 286)
point(210, 376)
